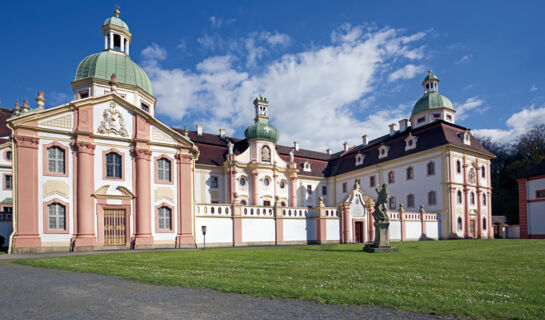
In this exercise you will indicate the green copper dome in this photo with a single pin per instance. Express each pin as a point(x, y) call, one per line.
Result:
point(116, 22)
point(262, 129)
point(432, 100)
point(103, 64)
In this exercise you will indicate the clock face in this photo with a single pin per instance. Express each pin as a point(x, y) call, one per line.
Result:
point(472, 175)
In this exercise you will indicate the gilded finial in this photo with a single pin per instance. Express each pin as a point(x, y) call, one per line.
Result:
point(429, 72)
point(117, 12)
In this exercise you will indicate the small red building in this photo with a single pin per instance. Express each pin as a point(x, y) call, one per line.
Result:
point(532, 203)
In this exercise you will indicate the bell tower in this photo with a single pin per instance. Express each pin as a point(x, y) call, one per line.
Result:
point(116, 34)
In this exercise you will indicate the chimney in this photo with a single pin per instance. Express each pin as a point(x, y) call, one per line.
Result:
point(365, 139)
point(403, 124)
point(40, 100)
point(328, 151)
point(199, 129)
point(222, 134)
point(345, 144)
point(393, 129)
point(296, 145)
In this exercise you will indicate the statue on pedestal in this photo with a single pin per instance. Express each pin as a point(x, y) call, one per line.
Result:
point(381, 223)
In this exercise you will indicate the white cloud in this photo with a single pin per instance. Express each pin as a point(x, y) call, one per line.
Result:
point(312, 93)
point(465, 59)
point(473, 104)
point(54, 98)
point(407, 72)
point(533, 88)
point(217, 22)
point(517, 124)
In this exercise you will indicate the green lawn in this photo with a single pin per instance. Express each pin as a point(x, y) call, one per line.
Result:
point(467, 278)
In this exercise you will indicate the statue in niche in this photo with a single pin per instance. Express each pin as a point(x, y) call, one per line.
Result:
point(265, 154)
point(381, 223)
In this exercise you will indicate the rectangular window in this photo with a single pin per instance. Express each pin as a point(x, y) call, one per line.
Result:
point(540, 194)
point(436, 115)
point(163, 170)
point(55, 160)
point(214, 182)
point(267, 203)
point(420, 120)
point(324, 190)
point(57, 216)
point(309, 189)
point(344, 187)
point(145, 107)
point(372, 181)
point(449, 117)
point(8, 181)
point(113, 165)
point(165, 218)
point(83, 94)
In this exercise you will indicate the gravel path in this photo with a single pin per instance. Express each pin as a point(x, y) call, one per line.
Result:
point(34, 293)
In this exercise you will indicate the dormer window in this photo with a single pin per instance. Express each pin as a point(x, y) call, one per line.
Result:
point(306, 167)
point(383, 151)
point(465, 138)
point(359, 159)
point(410, 142)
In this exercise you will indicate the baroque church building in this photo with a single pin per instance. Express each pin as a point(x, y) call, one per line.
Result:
point(101, 172)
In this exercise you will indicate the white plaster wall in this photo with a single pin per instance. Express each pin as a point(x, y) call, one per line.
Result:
point(244, 190)
point(333, 230)
point(204, 193)
point(258, 230)
point(172, 202)
point(432, 230)
point(534, 185)
point(42, 179)
point(395, 230)
point(299, 229)
point(536, 218)
point(413, 229)
point(218, 230)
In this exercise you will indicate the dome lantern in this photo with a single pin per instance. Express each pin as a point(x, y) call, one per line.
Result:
point(430, 83)
point(261, 128)
point(116, 34)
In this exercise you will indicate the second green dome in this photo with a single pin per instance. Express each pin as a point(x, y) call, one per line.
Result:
point(261, 129)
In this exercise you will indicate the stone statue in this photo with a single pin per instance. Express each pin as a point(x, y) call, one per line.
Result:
point(381, 212)
point(381, 223)
point(292, 154)
point(230, 146)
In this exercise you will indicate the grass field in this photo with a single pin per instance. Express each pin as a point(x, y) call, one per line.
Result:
point(468, 278)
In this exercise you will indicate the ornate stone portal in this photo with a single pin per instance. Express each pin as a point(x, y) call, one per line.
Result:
point(382, 222)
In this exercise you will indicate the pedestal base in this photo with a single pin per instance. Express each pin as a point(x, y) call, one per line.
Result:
point(371, 249)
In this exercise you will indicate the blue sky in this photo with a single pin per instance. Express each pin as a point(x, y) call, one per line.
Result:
point(333, 71)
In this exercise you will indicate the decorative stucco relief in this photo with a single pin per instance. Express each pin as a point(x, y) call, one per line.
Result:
point(113, 122)
point(63, 122)
point(164, 193)
point(52, 187)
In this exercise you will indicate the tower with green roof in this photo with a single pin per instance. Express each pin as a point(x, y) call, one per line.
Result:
point(432, 106)
point(261, 129)
point(112, 70)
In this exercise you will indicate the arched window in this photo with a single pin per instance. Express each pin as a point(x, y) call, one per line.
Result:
point(483, 171)
point(459, 196)
point(484, 223)
point(459, 223)
point(265, 154)
point(472, 197)
point(431, 168)
point(458, 166)
point(282, 184)
point(391, 177)
point(484, 199)
point(113, 165)
point(163, 170)
point(242, 181)
point(165, 218)
point(266, 181)
point(55, 160)
point(243, 202)
point(410, 173)
point(432, 198)
point(57, 216)
point(410, 201)
point(8, 155)
point(392, 203)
